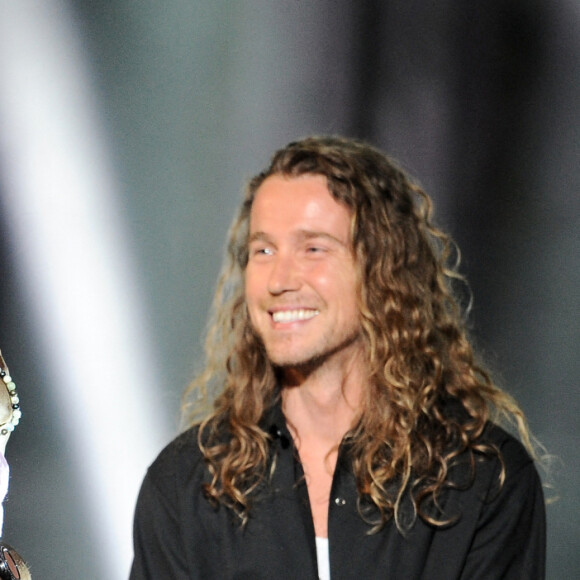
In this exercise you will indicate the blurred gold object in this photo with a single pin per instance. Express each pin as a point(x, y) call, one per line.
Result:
point(12, 566)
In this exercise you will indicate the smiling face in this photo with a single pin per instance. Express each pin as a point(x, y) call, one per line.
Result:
point(301, 278)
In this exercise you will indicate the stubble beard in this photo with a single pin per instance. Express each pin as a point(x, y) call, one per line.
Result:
point(307, 363)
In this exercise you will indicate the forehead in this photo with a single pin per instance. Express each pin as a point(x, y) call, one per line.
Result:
point(283, 203)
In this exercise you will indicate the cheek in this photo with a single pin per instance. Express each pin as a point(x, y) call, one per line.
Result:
point(252, 296)
point(251, 284)
point(337, 281)
point(341, 287)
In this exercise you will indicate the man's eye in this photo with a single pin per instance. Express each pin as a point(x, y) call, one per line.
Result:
point(262, 252)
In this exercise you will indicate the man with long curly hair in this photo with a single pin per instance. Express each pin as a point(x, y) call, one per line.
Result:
point(349, 431)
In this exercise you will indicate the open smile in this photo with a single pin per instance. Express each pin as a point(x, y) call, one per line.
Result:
point(294, 315)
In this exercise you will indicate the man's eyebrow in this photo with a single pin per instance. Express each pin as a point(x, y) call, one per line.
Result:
point(311, 234)
point(259, 237)
point(301, 234)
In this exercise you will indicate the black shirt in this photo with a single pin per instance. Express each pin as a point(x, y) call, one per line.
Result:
point(178, 535)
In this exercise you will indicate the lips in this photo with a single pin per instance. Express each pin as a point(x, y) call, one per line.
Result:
point(298, 314)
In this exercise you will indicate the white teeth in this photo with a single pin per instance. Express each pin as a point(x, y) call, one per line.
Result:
point(293, 315)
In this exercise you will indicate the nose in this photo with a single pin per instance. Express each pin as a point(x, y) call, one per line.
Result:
point(284, 274)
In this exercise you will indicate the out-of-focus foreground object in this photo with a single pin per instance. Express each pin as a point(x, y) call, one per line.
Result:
point(12, 566)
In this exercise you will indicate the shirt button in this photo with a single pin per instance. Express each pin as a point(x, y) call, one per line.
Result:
point(339, 501)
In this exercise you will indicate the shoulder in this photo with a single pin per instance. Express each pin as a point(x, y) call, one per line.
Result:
point(506, 476)
point(498, 441)
point(511, 453)
point(171, 511)
point(180, 461)
point(507, 523)
point(495, 467)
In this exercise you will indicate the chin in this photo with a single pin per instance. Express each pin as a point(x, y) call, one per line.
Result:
point(288, 354)
point(304, 364)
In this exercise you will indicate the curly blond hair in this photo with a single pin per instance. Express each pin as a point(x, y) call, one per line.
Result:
point(428, 400)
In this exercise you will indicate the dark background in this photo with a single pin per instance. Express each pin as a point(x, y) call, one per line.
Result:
point(478, 100)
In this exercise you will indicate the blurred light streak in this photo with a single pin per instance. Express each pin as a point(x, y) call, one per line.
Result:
point(65, 226)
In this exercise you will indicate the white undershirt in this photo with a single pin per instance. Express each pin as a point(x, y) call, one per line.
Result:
point(323, 558)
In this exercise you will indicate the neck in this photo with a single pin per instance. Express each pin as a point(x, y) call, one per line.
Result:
point(323, 404)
